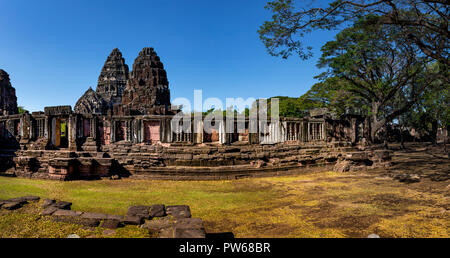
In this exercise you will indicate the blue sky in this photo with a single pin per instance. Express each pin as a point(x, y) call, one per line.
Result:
point(54, 50)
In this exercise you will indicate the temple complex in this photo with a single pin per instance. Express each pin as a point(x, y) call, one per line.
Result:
point(8, 99)
point(125, 127)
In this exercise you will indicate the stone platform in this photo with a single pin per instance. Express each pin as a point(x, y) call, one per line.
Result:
point(190, 162)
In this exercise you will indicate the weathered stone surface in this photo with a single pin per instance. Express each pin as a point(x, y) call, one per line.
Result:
point(93, 215)
point(115, 217)
point(48, 202)
point(147, 90)
point(166, 233)
point(90, 103)
point(19, 200)
point(115, 177)
point(109, 232)
point(63, 205)
point(8, 99)
point(113, 79)
point(189, 223)
point(140, 211)
point(179, 211)
point(342, 166)
point(110, 87)
point(12, 205)
point(407, 178)
point(156, 225)
point(67, 213)
point(132, 220)
point(31, 198)
point(189, 233)
point(158, 210)
point(89, 222)
point(111, 224)
point(49, 211)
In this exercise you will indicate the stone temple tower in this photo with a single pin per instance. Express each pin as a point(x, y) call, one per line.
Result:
point(113, 79)
point(8, 99)
point(147, 91)
point(111, 84)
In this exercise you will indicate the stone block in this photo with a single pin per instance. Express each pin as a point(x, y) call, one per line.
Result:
point(48, 211)
point(20, 200)
point(111, 224)
point(189, 233)
point(88, 222)
point(132, 220)
point(63, 205)
point(166, 233)
point(93, 215)
point(31, 198)
point(157, 210)
point(179, 211)
point(67, 213)
point(189, 223)
point(156, 225)
point(47, 203)
point(139, 211)
point(12, 205)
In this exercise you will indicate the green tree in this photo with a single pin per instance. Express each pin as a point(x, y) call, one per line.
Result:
point(432, 110)
point(423, 23)
point(378, 65)
point(21, 110)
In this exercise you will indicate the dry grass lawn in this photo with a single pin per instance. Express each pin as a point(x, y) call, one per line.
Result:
point(353, 204)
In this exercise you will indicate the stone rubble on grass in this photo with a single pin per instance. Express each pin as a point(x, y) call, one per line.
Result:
point(48, 211)
point(179, 211)
point(407, 178)
point(157, 210)
point(139, 211)
point(48, 202)
point(109, 232)
point(163, 221)
point(62, 205)
point(12, 205)
point(373, 236)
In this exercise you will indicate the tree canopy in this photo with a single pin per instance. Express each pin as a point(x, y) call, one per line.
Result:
point(423, 23)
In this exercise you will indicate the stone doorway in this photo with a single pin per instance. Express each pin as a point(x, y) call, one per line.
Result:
point(120, 131)
point(60, 133)
point(152, 131)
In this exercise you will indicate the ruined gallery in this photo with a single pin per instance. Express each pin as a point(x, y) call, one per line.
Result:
point(124, 128)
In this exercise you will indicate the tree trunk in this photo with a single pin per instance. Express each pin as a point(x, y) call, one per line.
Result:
point(434, 129)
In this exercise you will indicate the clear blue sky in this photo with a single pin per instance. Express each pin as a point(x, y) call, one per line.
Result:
point(54, 50)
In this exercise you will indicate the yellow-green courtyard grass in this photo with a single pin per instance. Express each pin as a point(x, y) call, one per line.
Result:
point(308, 205)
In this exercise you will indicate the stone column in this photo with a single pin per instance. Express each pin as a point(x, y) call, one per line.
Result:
point(199, 132)
point(353, 132)
point(46, 127)
point(295, 131)
point(222, 133)
point(284, 131)
point(93, 127)
point(127, 130)
point(113, 130)
point(72, 132)
point(137, 128)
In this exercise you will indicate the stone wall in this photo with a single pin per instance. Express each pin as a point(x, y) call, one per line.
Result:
point(191, 162)
point(8, 99)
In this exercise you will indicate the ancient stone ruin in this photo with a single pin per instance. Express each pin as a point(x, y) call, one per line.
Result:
point(111, 84)
point(161, 221)
point(8, 99)
point(125, 128)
